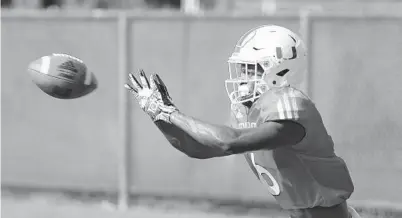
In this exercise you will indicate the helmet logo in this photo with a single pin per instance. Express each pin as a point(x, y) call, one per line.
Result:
point(246, 39)
point(279, 53)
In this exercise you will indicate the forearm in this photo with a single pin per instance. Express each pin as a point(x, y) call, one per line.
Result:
point(196, 138)
point(202, 140)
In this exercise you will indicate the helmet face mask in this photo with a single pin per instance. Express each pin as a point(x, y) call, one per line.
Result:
point(263, 59)
point(246, 81)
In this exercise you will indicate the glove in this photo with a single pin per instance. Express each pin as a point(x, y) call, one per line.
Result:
point(152, 96)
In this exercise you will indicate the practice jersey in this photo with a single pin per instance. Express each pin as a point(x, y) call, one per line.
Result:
point(303, 175)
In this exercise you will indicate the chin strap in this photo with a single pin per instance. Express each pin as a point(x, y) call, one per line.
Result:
point(244, 94)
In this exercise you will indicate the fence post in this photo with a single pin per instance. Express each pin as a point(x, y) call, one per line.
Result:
point(123, 114)
point(305, 31)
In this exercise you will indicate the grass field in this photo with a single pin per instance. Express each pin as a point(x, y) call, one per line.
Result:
point(57, 205)
point(44, 206)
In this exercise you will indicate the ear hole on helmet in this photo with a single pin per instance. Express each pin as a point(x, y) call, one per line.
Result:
point(274, 82)
point(283, 72)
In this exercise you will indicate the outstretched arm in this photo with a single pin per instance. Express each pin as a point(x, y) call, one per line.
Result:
point(199, 139)
point(203, 140)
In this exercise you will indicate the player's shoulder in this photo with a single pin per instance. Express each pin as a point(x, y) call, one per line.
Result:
point(284, 103)
point(283, 95)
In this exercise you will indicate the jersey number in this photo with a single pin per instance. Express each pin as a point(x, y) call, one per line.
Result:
point(266, 178)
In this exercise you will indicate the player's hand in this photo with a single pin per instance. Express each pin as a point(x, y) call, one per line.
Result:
point(152, 96)
point(162, 89)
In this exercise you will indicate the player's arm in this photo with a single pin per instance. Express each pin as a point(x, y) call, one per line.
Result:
point(203, 140)
point(200, 139)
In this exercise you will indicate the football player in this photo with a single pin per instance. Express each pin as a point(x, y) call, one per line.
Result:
point(274, 125)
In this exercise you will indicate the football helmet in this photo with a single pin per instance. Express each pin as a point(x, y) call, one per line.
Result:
point(265, 57)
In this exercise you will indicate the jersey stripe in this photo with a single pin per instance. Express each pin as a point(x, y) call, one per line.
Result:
point(294, 104)
point(280, 109)
point(288, 107)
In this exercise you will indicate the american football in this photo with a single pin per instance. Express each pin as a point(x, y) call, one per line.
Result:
point(62, 76)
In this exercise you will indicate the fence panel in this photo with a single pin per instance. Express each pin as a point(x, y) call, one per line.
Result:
point(48, 142)
point(356, 85)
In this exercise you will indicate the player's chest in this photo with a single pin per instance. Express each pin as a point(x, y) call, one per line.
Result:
point(248, 118)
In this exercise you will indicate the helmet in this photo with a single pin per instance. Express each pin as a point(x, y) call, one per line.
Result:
point(274, 55)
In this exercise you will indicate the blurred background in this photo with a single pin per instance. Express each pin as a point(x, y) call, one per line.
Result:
point(102, 150)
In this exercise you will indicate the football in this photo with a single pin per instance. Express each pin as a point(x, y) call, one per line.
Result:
point(62, 76)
